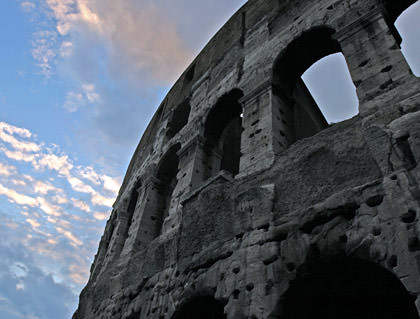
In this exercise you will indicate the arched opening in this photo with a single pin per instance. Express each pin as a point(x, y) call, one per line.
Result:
point(222, 132)
point(406, 28)
point(330, 84)
point(167, 180)
point(178, 119)
point(297, 114)
point(347, 288)
point(134, 198)
point(392, 10)
point(201, 307)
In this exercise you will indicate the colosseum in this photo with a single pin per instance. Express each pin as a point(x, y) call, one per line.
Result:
point(242, 202)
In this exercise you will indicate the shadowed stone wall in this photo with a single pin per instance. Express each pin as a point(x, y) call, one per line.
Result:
point(242, 202)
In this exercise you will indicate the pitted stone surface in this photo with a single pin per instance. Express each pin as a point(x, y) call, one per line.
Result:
point(203, 235)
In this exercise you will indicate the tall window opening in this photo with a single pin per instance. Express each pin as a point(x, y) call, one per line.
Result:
point(347, 288)
point(222, 132)
point(167, 172)
point(178, 119)
point(404, 19)
point(201, 307)
point(330, 84)
point(298, 114)
point(134, 197)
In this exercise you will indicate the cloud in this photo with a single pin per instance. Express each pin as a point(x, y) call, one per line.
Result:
point(27, 292)
point(81, 205)
point(7, 170)
point(17, 198)
point(33, 223)
point(44, 51)
point(76, 100)
point(17, 144)
point(7, 135)
point(101, 216)
point(44, 188)
point(138, 37)
point(73, 239)
point(27, 5)
point(55, 207)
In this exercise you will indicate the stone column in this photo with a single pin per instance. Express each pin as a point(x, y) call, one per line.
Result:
point(193, 164)
point(259, 141)
point(375, 61)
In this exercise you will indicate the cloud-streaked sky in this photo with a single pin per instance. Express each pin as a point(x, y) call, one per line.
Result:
point(80, 81)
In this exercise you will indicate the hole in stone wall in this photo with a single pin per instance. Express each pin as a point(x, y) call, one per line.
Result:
point(331, 86)
point(201, 307)
point(179, 119)
point(347, 288)
point(409, 216)
point(403, 18)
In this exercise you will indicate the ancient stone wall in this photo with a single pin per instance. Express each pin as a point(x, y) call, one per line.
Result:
point(242, 202)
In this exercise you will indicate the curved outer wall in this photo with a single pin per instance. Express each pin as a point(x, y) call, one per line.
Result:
point(349, 189)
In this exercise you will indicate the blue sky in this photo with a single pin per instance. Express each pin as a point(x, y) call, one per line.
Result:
point(80, 81)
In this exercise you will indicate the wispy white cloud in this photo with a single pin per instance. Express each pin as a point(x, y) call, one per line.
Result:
point(44, 51)
point(7, 133)
point(81, 205)
point(7, 170)
point(27, 5)
point(18, 198)
point(44, 188)
point(76, 100)
point(73, 239)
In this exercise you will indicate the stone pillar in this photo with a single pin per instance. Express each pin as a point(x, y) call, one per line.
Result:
point(192, 164)
point(375, 61)
point(259, 142)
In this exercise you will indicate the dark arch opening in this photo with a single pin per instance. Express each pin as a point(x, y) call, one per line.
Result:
point(134, 197)
point(178, 119)
point(166, 174)
point(297, 114)
point(222, 132)
point(347, 288)
point(202, 308)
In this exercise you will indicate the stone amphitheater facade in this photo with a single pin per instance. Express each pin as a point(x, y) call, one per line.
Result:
point(241, 201)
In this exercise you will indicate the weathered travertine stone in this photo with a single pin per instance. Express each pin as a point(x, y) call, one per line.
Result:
point(242, 202)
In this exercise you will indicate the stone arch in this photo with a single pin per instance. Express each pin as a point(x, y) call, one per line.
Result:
point(392, 10)
point(343, 287)
point(203, 307)
point(298, 116)
point(222, 133)
point(166, 175)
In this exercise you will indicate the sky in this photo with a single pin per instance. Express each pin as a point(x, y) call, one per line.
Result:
point(80, 81)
